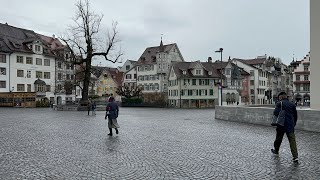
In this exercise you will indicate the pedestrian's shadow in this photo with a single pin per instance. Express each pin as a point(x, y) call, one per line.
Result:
point(112, 143)
point(284, 170)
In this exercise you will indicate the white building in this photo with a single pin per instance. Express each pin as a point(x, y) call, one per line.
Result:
point(153, 67)
point(193, 85)
point(130, 77)
point(27, 64)
point(315, 53)
point(127, 65)
point(260, 79)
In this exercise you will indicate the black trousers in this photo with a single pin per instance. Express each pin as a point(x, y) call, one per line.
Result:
point(292, 142)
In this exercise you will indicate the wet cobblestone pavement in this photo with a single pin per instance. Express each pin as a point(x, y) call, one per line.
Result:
point(152, 144)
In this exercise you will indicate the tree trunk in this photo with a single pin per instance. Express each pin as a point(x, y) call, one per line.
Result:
point(86, 81)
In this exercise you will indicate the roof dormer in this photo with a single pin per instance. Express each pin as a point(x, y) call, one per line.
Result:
point(37, 47)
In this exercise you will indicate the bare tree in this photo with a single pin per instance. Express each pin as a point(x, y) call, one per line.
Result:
point(84, 43)
point(129, 92)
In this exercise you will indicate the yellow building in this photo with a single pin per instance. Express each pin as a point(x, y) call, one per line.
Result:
point(109, 79)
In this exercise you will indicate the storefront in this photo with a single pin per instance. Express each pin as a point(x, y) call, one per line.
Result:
point(18, 99)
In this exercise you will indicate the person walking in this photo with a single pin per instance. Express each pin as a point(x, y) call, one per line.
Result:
point(89, 107)
point(112, 112)
point(93, 108)
point(289, 124)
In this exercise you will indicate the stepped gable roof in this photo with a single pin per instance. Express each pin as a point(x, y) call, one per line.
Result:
point(149, 55)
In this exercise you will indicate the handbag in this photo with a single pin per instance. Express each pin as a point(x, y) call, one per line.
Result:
point(279, 120)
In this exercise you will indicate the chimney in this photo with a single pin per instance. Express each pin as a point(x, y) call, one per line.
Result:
point(53, 36)
point(209, 60)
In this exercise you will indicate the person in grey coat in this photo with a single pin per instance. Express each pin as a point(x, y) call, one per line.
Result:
point(289, 124)
point(112, 112)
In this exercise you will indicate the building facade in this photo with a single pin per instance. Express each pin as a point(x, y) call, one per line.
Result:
point(64, 92)
point(153, 67)
point(127, 65)
point(27, 63)
point(235, 83)
point(315, 53)
point(260, 81)
point(193, 85)
point(108, 81)
point(301, 81)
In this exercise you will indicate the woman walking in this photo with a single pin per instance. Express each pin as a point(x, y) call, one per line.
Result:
point(112, 114)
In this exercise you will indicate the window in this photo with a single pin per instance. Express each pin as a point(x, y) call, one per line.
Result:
point(40, 88)
point(48, 88)
point(37, 48)
point(184, 72)
point(28, 74)
point(28, 87)
point(38, 74)
point(59, 65)
point(20, 73)
point(46, 75)
point(306, 77)
point(2, 58)
point(46, 62)
point(59, 76)
point(298, 77)
point(194, 82)
point(127, 67)
point(68, 77)
point(128, 76)
point(20, 87)
point(251, 72)
point(306, 87)
point(67, 66)
point(211, 92)
point(3, 71)
point(38, 61)
point(135, 76)
point(228, 71)
point(198, 71)
point(59, 87)
point(2, 84)
point(306, 68)
point(251, 91)
point(298, 87)
point(72, 77)
point(251, 82)
point(29, 60)
point(19, 59)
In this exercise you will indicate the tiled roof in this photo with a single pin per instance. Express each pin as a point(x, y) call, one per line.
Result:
point(52, 42)
point(149, 55)
point(179, 67)
point(13, 39)
point(114, 72)
point(251, 61)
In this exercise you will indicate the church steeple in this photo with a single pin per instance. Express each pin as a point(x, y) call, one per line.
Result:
point(161, 45)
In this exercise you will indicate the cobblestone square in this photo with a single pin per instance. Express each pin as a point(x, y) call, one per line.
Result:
point(152, 144)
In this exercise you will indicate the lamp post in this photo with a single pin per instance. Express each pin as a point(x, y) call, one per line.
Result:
point(220, 51)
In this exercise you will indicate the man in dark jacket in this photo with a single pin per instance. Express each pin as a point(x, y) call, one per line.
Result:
point(289, 124)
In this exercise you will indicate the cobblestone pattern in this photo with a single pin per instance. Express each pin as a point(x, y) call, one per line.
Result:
point(152, 144)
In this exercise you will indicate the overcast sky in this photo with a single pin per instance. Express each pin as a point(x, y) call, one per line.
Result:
point(244, 28)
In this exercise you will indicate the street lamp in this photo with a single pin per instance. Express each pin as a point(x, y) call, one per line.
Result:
point(220, 51)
